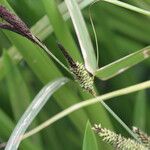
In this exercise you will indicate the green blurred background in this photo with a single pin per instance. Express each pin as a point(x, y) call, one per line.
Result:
point(119, 32)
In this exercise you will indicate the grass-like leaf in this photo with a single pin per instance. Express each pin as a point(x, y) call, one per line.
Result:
point(6, 127)
point(14, 55)
point(123, 64)
point(61, 29)
point(32, 111)
point(83, 36)
point(128, 6)
point(89, 142)
point(42, 29)
point(140, 109)
point(14, 82)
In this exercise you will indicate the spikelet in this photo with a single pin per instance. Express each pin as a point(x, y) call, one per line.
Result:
point(81, 75)
point(117, 141)
point(143, 137)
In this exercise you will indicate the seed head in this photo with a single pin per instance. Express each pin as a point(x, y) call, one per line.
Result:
point(116, 140)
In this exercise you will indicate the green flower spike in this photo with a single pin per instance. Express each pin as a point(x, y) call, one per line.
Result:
point(116, 140)
point(81, 75)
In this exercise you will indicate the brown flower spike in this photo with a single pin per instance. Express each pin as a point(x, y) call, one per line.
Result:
point(13, 23)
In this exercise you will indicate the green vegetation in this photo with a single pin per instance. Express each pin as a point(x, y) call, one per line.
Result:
point(42, 105)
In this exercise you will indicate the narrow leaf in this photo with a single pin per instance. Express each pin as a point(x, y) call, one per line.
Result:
point(123, 64)
point(7, 123)
point(32, 111)
point(83, 35)
point(140, 109)
point(6, 126)
point(128, 6)
point(14, 82)
point(89, 142)
point(60, 28)
point(43, 27)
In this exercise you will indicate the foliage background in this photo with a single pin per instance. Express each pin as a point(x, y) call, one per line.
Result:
point(120, 32)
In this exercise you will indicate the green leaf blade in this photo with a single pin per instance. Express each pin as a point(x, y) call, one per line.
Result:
point(83, 36)
point(14, 82)
point(31, 112)
point(128, 6)
point(140, 109)
point(17, 89)
point(6, 127)
point(60, 28)
point(123, 64)
point(89, 142)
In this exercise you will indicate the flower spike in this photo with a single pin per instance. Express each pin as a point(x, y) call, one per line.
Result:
point(82, 76)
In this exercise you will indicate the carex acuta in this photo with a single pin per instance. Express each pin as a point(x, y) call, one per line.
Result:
point(15, 24)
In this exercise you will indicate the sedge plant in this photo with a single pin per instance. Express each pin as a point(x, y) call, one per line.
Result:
point(84, 74)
